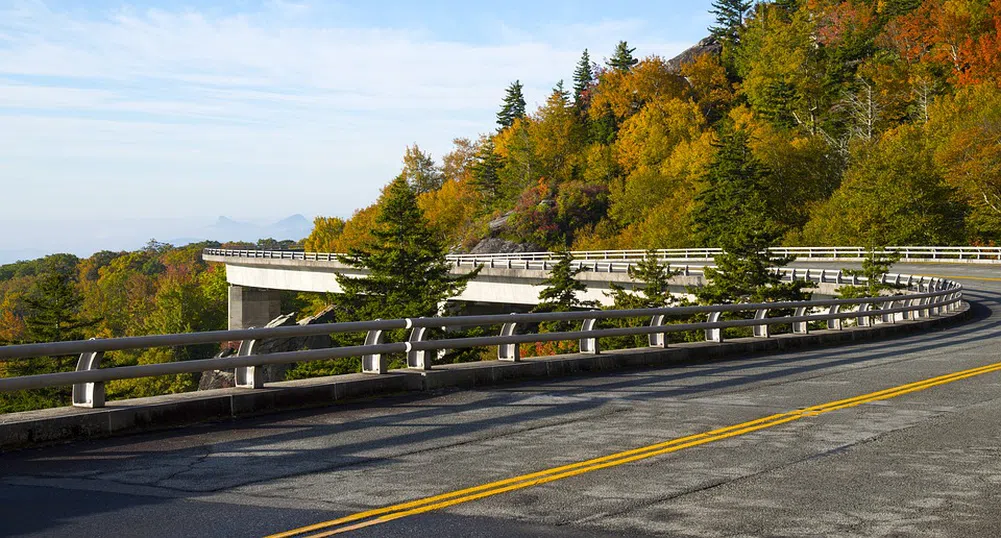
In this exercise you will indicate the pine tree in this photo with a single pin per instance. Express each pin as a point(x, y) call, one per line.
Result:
point(875, 266)
point(560, 293)
point(54, 309)
point(513, 107)
point(732, 213)
point(421, 171)
point(561, 92)
point(622, 60)
point(730, 15)
point(583, 78)
point(734, 202)
point(408, 275)
point(655, 291)
point(485, 171)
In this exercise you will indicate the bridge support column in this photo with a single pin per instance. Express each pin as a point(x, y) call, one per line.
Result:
point(252, 307)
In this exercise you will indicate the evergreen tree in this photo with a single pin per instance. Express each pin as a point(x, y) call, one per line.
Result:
point(421, 172)
point(622, 60)
point(408, 275)
point(874, 268)
point(733, 203)
point(560, 293)
point(583, 78)
point(730, 15)
point(53, 309)
point(732, 213)
point(513, 107)
point(655, 292)
point(485, 171)
point(791, 6)
point(560, 92)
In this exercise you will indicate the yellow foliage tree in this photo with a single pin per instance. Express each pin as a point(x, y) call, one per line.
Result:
point(325, 235)
point(622, 94)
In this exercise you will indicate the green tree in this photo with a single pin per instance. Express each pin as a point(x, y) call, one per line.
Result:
point(732, 213)
point(583, 78)
point(486, 171)
point(561, 295)
point(875, 266)
point(561, 287)
point(622, 59)
point(730, 15)
point(54, 309)
point(53, 314)
point(420, 170)
point(513, 106)
point(408, 275)
point(892, 194)
point(655, 291)
point(732, 207)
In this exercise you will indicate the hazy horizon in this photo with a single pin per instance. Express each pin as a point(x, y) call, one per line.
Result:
point(124, 112)
point(85, 237)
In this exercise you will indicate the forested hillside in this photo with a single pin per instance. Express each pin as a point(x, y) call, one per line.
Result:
point(875, 122)
point(159, 289)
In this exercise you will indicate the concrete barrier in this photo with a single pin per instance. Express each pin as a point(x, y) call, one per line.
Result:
point(65, 424)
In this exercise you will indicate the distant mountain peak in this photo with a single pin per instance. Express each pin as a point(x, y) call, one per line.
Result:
point(296, 219)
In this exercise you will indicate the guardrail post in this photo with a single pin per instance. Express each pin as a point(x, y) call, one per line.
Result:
point(714, 334)
point(589, 345)
point(863, 321)
point(248, 377)
point(374, 363)
point(417, 359)
point(800, 327)
point(89, 394)
point(887, 317)
point(834, 324)
point(761, 331)
point(657, 339)
point(509, 352)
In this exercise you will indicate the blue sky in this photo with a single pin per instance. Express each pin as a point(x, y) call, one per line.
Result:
point(116, 111)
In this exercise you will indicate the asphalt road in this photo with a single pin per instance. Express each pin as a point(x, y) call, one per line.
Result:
point(923, 460)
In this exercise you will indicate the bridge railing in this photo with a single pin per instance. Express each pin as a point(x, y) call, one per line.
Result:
point(926, 297)
point(944, 254)
point(910, 254)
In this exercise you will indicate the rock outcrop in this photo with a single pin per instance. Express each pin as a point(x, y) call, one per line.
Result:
point(217, 379)
point(708, 45)
point(496, 245)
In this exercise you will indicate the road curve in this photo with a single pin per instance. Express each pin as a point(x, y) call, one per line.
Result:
point(894, 437)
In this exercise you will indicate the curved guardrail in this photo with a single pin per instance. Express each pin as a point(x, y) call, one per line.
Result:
point(907, 254)
point(925, 297)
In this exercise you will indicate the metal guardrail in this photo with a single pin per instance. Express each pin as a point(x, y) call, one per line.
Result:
point(939, 254)
point(926, 297)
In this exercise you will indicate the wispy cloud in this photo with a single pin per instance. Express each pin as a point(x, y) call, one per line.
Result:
point(188, 104)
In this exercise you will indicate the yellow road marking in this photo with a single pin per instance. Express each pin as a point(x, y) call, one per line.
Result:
point(437, 502)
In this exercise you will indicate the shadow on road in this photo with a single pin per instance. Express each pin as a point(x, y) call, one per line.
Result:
point(369, 435)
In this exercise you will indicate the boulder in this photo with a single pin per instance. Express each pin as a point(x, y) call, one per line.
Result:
point(500, 223)
point(708, 45)
point(217, 379)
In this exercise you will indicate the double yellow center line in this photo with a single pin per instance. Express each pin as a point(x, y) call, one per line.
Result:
point(437, 502)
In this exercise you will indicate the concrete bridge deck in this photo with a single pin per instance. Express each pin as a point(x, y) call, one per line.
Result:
point(925, 461)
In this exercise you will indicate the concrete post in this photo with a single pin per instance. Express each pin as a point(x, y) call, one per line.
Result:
point(252, 307)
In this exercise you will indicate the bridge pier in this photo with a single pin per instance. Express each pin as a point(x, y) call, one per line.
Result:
point(252, 307)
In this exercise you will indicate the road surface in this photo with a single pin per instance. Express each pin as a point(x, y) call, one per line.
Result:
point(889, 438)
